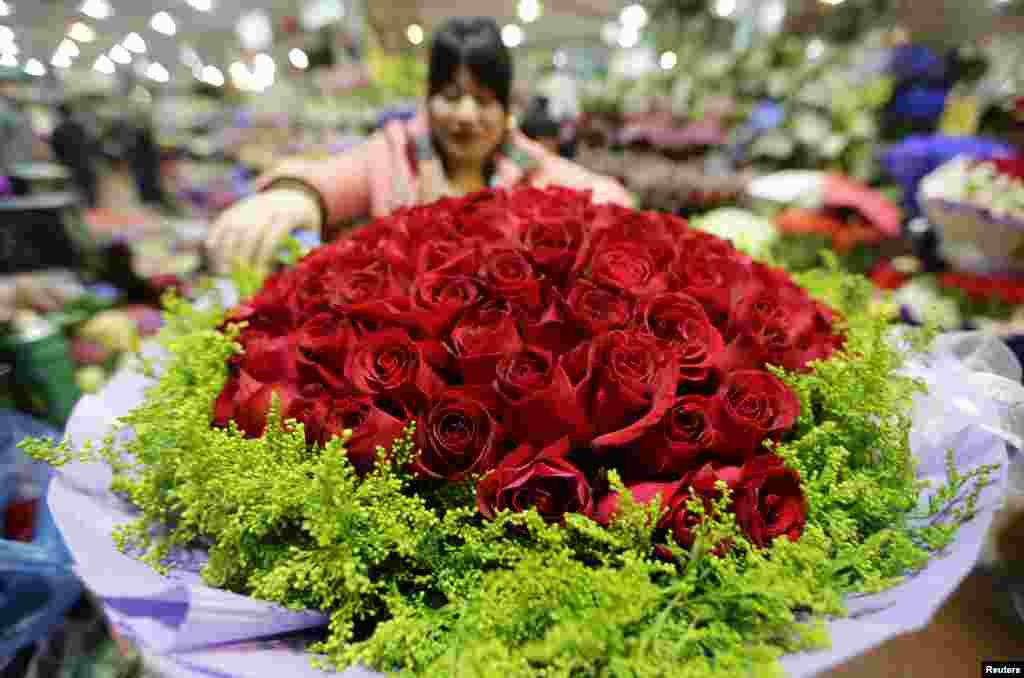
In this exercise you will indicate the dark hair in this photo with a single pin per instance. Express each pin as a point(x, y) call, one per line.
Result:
point(475, 43)
point(537, 122)
point(64, 109)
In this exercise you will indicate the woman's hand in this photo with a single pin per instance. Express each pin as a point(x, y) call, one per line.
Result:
point(34, 291)
point(251, 231)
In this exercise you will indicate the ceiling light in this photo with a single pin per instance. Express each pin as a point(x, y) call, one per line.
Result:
point(8, 60)
point(529, 10)
point(263, 64)
point(832, 2)
point(35, 67)
point(628, 38)
point(68, 47)
point(10, 48)
point(255, 30)
point(120, 55)
point(190, 57)
point(60, 60)
point(634, 16)
point(157, 73)
point(96, 9)
point(415, 34)
point(163, 23)
point(201, 5)
point(512, 35)
point(298, 58)
point(725, 8)
point(815, 48)
point(669, 60)
point(5, 8)
point(133, 42)
point(104, 65)
point(6, 35)
point(82, 32)
point(211, 75)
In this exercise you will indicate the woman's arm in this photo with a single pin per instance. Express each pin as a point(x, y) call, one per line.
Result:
point(341, 185)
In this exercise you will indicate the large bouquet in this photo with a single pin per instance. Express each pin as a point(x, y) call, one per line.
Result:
point(523, 434)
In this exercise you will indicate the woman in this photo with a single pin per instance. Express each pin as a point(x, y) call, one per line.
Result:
point(464, 142)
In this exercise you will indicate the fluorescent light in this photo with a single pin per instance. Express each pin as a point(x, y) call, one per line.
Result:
point(157, 73)
point(82, 32)
point(35, 68)
point(529, 11)
point(120, 55)
point(298, 58)
point(68, 47)
point(8, 60)
point(61, 60)
point(669, 60)
point(6, 34)
point(634, 16)
point(512, 35)
point(104, 65)
point(163, 23)
point(10, 48)
point(5, 8)
point(725, 8)
point(832, 2)
point(414, 33)
point(211, 75)
point(133, 42)
point(201, 5)
point(96, 9)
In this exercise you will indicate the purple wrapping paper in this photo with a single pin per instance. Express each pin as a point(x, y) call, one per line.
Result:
point(191, 630)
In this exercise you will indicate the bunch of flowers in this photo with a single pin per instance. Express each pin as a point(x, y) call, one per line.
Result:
point(995, 186)
point(539, 340)
point(521, 434)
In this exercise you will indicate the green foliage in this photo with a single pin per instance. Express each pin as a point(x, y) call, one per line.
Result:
point(422, 583)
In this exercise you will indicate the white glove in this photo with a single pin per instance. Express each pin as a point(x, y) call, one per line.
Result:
point(251, 230)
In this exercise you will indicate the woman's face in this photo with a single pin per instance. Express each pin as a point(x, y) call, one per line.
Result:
point(467, 119)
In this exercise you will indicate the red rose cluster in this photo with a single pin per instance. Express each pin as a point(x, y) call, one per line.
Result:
point(538, 340)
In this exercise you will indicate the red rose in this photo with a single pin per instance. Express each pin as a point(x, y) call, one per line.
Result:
point(710, 269)
point(685, 436)
point(556, 329)
point(704, 484)
point(434, 254)
point(389, 364)
point(323, 342)
point(458, 435)
point(614, 225)
point(552, 242)
point(537, 399)
point(770, 502)
point(268, 358)
point(629, 267)
point(481, 338)
point(598, 310)
point(673, 497)
point(440, 299)
point(682, 323)
point(512, 277)
point(247, 401)
point(754, 406)
point(370, 283)
point(526, 480)
point(629, 384)
point(325, 418)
